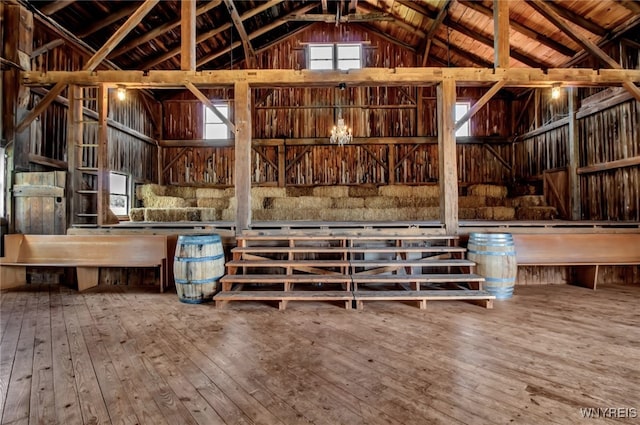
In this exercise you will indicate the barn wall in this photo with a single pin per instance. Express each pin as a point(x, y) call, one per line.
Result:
point(297, 122)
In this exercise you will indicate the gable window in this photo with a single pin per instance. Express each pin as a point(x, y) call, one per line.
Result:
point(119, 193)
point(461, 109)
point(214, 128)
point(335, 56)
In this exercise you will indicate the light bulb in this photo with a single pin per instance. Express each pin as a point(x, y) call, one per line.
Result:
point(121, 93)
point(555, 92)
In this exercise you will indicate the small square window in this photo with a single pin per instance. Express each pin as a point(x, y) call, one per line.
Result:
point(349, 56)
point(335, 56)
point(214, 128)
point(119, 193)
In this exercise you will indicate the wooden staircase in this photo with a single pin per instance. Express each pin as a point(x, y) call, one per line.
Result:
point(349, 267)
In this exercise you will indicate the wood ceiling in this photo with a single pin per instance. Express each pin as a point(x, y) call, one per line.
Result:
point(450, 32)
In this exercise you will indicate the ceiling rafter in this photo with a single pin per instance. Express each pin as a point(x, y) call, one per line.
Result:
point(111, 18)
point(255, 34)
point(325, 6)
point(577, 19)
point(162, 29)
point(435, 24)
point(484, 39)
point(522, 29)
point(55, 6)
point(209, 34)
point(587, 44)
point(632, 5)
point(249, 54)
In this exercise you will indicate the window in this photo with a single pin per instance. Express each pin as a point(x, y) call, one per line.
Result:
point(2, 182)
point(214, 128)
point(335, 56)
point(461, 109)
point(119, 193)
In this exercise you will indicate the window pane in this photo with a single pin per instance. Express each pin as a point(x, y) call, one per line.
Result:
point(214, 128)
point(118, 204)
point(321, 51)
point(461, 109)
point(323, 64)
point(345, 64)
point(349, 56)
point(118, 183)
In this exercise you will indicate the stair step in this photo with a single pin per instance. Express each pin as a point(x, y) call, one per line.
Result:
point(484, 297)
point(222, 298)
point(339, 249)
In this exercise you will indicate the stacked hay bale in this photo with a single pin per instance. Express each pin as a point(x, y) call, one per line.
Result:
point(533, 207)
point(494, 199)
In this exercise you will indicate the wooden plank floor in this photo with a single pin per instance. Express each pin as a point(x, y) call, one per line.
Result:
point(134, 356)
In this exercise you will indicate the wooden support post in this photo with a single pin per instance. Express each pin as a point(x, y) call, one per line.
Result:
point(242, 172)
point(501, 31)
point(188, 35)
point(448, 175)
point(573, 153)
point(282, 165)
point(103, 155)
point(391, 178)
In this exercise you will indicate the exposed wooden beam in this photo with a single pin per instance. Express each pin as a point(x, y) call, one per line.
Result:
point(435, 24)
point(577, 19)
point(548, 12)
point(632, 5)
point(499, 157)
point(573, 158)
point(207, 35)
point(480, 103)
point(46, 47)
point(120, 34)
point(111, 18)
point(263, 30)
point(188, 35)
point(352, 17)
point(384, 35)
point(472, 57)
point(249, 54)
point(92, 63)
point(209, 104)
point(55, 6)
point(158, 31)
point(611, 165)
point(522, 29)
point(325, 8)
point(103, 155)
point(501, 31)
point(484, 39)
point(272, 78)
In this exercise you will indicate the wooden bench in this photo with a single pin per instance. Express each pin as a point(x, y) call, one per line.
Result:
point(584, 253)
point(85, 253)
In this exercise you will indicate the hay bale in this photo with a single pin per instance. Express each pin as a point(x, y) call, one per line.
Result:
point(256, 203)
point(217, 203)
point(230, 214)
point(536, 213)
point(389, 214)
point(348, 203)
point(342, 214)
point(331, 191)
point(472, 201)
point(484, 213)
point(136, 214)
point(467, 213)
point(210, 192)
point(149, 191)
point(301, 202)
point(426, 191)
point(363, 191)
point(488, 190)
point(299, 191)
point(396, 190)
point(268, 192)
point(181, 191)
point(428, 213)
point(418, 202)
point(209, 214)
point(171, 214)
point(165, 202)
point(527, 201)
point(381, 202)
point(504, 213)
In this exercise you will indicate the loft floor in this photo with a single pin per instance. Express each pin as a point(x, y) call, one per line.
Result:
point(134, 356)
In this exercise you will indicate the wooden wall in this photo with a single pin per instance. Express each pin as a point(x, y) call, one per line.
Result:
point(297, 121)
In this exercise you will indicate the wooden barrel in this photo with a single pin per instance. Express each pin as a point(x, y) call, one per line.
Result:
point(495, 258)
point(197, 267)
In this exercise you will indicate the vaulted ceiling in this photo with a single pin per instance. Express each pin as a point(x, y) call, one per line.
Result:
point(442, 32)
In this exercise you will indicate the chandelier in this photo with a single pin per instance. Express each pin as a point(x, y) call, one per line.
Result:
point(340, 133)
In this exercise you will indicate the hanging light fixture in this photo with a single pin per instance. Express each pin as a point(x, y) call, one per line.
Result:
point(121, 93)
point(555, 91)
point(340, 133)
